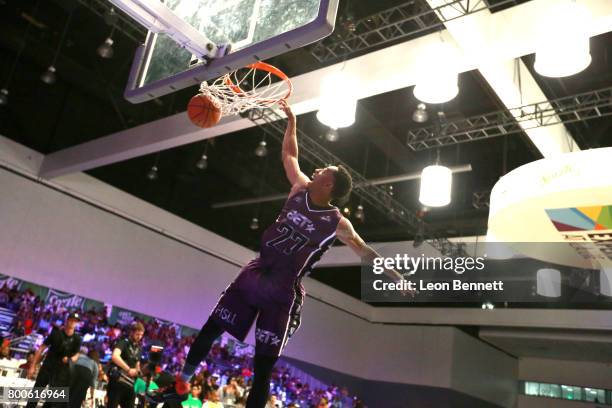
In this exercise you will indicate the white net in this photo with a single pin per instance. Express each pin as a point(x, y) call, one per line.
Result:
point(246, 89)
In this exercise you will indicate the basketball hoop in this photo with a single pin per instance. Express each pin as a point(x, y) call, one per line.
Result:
point(258, 85)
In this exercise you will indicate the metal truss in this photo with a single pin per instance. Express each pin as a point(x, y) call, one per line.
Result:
point(272, 124)
point(480, 199)
point(569, 109)
point(403, 21)
point(125, 24)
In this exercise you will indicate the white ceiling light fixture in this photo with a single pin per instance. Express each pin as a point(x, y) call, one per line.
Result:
point(152, 174)
point(106, 49)
point(338, 100)
point(563, 45)
point(605, 281)
point(261, 150)
point(202, 164)
point(438, 78)
point(548, 282)
point(49, 77)
point(359, 213)
point(420, 115)
point(436, 184)
point(4, 96)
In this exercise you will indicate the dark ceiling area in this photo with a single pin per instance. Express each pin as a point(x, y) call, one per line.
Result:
point(87, 103)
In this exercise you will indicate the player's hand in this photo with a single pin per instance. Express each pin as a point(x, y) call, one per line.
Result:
point(287, 109)
point(132, 372)
point(65, 360)
point(30, 374)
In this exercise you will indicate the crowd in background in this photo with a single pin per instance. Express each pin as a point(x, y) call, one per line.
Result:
point(223, 381)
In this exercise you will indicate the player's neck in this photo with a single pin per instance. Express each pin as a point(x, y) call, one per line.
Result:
point(320, 200)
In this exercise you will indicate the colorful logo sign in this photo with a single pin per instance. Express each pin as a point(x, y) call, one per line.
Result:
point(588, 229)
point(595, 218)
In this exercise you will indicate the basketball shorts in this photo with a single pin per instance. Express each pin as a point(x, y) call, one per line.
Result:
point(248, 300)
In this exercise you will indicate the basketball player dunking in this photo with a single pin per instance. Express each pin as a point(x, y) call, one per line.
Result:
point(269, 288)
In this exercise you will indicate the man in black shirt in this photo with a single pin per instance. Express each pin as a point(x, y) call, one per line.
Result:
point(62, 344)
point(125, 367)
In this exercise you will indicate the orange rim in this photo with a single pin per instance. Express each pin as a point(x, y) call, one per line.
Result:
point(268, 68)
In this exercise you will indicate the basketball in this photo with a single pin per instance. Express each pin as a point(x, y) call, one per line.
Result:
point(204, 111)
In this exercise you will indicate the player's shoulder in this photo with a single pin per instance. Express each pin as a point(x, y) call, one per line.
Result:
point(298, 188)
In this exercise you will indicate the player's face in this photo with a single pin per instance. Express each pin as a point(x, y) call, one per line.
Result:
point(324, 177)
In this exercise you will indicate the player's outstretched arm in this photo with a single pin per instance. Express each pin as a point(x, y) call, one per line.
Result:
point(290, 151)
point(347, 234)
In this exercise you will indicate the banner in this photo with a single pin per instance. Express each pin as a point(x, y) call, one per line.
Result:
point(74, 302)
point(125, 317)
point(10, 282)
point(188, 331)
point(38, 290)
point(67, 300)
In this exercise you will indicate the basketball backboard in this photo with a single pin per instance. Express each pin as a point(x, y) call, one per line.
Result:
point(188, 39)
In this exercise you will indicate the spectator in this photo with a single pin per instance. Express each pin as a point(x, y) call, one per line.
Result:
point(140, 384)
point(125, 368)
point(231, 392)
point(323, 403)
point(5, 350)
point(343, 400)
point(212, 399)
point(18, 330)
point(195, 398)
point(4, 297)
point(84, 377)
point(29, 360)
point(273, 402)
point(45, 322)
point(63, 345)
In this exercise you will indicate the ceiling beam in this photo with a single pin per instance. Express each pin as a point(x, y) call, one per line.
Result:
point(565, 110)
point(392, 68)
point(471, 33)
point(371, 182)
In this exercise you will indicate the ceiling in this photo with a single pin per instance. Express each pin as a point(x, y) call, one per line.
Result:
point(86, 103)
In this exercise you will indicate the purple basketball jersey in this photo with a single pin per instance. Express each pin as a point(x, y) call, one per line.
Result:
point(269, 287)
point(297, 239)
